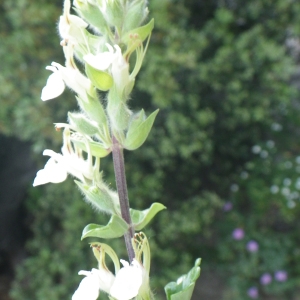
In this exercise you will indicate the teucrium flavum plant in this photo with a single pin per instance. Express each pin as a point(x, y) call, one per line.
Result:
point(108, 40)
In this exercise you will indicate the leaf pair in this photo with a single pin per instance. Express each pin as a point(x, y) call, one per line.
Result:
point(116, 226)
point(139, 129)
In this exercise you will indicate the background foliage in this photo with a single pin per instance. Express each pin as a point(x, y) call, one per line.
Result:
point(221, 73)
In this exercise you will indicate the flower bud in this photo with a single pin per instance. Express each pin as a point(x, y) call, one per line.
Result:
point(99, 196)
point(113, 11)
point(91, 13)
point(136, 14)
point(117, 110)
point(67, 20)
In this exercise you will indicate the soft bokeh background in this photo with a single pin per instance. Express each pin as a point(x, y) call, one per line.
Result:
point(223, 156)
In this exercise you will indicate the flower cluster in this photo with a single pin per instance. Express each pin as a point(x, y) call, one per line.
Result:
point(124, 286)
point(128, 282)
point(265, 279)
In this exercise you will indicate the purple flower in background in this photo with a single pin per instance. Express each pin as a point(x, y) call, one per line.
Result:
point(253, 292)
point(227, 206)
point(281, 275)
point(266, 279)
point(252, 246)
point(238, 234)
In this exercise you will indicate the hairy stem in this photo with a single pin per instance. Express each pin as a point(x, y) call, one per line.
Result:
point(119, 168)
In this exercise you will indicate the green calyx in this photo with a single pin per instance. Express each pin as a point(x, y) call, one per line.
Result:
point(101, 80)
point(99, 196)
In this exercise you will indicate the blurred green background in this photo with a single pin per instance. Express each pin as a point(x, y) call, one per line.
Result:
point(224, 152)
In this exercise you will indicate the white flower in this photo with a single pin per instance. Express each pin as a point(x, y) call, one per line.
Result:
point(112, 61)
point(74, 79)
point(90, 286)
point(67, 21)
point(124, 286)
point(56, 168)
point(73, 163)
point(64, 75)
point(128, 281)
point(69, 162)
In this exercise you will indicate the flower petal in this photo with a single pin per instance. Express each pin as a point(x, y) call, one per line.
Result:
point(101, 61)
point(88, 288)
point(127, 283)
point(106, 279)
point(54, 87)
point(52, 172)
point(91, 285)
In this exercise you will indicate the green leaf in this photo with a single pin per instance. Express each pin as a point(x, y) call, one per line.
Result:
point(138, 132)
point(183, 288)
point(115, 228)
point(137, 119)
point(97, 149)
point(134, 37)
point(141, 218)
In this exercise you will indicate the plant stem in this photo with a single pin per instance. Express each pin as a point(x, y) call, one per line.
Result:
point(119, 168)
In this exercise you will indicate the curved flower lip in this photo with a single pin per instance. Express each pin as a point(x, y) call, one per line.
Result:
point(104, 278)
point(54, 86)
point(128, 281)
point(53, 172)
point(89, 287)
point(101, 61)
